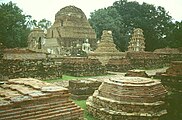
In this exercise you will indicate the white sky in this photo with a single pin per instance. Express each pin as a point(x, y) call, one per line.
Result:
point(40, 9)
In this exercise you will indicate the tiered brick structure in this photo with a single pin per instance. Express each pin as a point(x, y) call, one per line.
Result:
point(172, 80)
point(82, 66)
point(106, 49)
point(32, 99)
point(137, 41)
point(82, 89)
point(69, 31)
point(128, 98)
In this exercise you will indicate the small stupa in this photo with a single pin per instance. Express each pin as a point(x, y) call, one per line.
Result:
point(137, 43)
point(106, 44)
point(106, 48)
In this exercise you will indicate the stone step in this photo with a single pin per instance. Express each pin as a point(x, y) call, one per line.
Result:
point(39, 109)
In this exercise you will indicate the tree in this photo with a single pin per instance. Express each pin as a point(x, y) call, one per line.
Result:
point(174, 38)
point(13, 28)
point(155, 22)
point(44, 24)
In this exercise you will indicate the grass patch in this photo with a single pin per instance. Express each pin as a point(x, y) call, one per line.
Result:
point(64, 77)
point(67, 77)
point(82, 104)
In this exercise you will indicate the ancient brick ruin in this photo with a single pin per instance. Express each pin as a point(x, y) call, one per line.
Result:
point(82, 66)
point(32, 99)
point(143, 60)
point(69, 31)
point(128, 98)
point(106, 49)
point(17, 63)
point(137, 43)
point(82, 89)
point(172, 80)
point(36, 40)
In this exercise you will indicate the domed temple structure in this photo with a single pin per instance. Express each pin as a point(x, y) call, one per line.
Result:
point(69, 31)
point(137, 43)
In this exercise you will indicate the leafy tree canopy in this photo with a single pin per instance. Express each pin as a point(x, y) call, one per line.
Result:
point(13, 28)
point(123, 16)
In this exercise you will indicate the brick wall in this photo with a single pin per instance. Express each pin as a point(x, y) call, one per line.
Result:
point(40, 69)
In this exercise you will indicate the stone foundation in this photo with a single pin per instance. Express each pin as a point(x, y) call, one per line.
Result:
point(32, 99)
point(128, 98)
point(82, 89)
point(79, 66)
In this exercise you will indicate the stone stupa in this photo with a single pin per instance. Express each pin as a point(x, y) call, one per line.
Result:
point(106, 48)
point(137, 43)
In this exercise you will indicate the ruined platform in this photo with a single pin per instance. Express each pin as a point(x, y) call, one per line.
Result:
point(82, 89)
point(128, 98)
point(32, 99)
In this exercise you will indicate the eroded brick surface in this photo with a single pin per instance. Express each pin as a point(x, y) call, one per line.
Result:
point(132, 98)
point(32, 99)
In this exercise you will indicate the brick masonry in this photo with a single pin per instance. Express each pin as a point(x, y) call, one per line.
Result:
point(82, 89)
point(32, 99)
point(132, 98)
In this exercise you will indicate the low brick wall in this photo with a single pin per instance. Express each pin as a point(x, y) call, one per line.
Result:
point(40, 69)
point(79, 66)
point(142, 60)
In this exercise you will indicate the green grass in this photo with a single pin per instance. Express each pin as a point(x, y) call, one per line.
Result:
point(67, 77)
point(64, 77)
point(82, 104)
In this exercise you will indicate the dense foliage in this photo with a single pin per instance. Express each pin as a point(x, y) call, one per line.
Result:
point(123, 16)
point(15, 26)
point(13, 29)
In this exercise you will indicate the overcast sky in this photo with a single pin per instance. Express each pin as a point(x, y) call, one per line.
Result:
point(40, 9)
